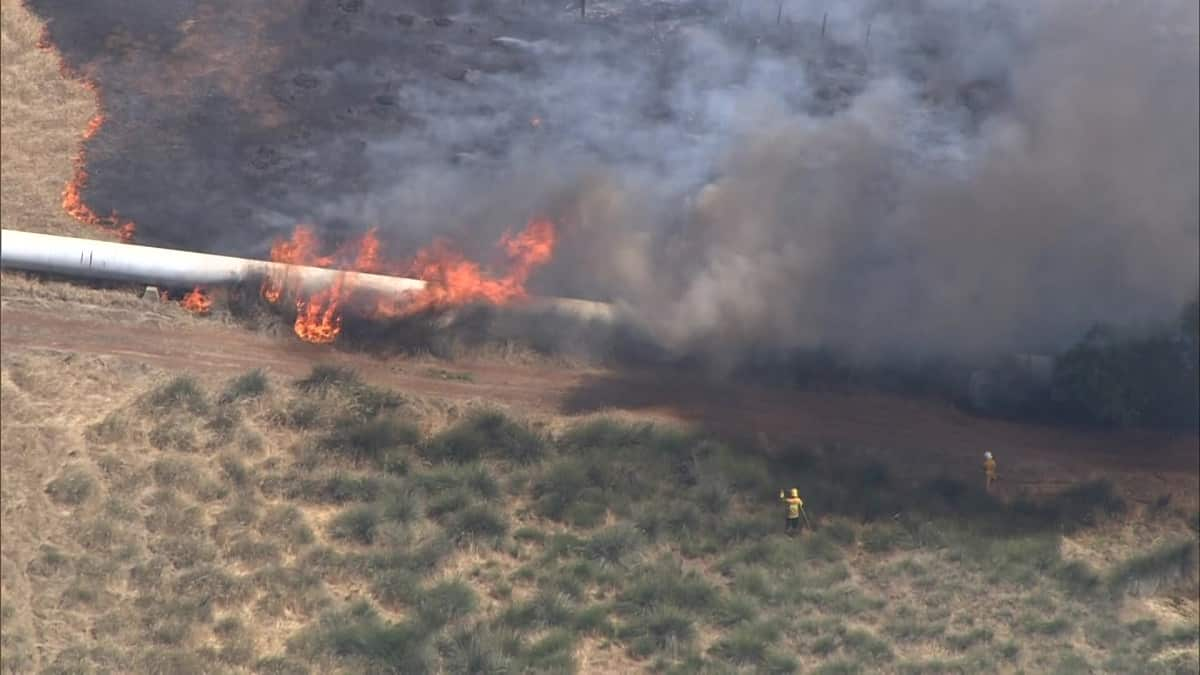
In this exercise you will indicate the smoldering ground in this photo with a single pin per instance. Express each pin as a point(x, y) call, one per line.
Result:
point(889, 179)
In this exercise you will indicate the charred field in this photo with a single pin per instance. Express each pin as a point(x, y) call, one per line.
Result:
point(457, 492)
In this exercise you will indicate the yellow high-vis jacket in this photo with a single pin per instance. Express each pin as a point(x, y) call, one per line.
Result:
point(794, 504)
point(989, 466)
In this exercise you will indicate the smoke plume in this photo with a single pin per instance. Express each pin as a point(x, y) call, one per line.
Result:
point(896, 179)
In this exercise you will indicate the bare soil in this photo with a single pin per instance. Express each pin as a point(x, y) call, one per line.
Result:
point(916, 437)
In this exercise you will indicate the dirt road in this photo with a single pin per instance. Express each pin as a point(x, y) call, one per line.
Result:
point(916, 436)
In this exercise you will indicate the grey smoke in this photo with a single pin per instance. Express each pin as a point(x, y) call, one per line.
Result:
point(972, 178)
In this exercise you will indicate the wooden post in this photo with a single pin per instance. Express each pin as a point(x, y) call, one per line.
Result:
point(779, 16)
point(867, 43)
point(823, 17)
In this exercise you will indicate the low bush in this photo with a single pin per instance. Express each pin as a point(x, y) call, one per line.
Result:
point(445, 602)
point(748, 645)
point(543, 610)
point(286, 523)
point(611, 545)
point(247, 385)
point(393, 587)
point(666, 585)
point(964, 641)
point(183, 393)
point(1147, 572)
point(357, 524)
point(866, 646)
point(478, 521)
point(368, 440)
point(657, 629)
point(73, 486)
point(474, 650)
point(1078, 578)
point(358, 636)
point(486, 434)
point(322, 378)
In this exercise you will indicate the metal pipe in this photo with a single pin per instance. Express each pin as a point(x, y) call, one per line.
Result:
point(116, 261)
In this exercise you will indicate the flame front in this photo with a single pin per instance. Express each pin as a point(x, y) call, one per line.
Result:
point(197, 301)
point(72, 195)
point(451, 279)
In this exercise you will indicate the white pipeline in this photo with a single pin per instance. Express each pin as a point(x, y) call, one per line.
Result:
point(115, 261)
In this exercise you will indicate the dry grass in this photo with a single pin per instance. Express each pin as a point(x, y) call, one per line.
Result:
point(44, 117)
point(272, 541)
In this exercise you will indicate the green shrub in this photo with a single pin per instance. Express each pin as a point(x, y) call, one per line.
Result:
point(300, 414)
point(612, 544)
point(114, 428)
point(838, 667)
point(474, 479)
point(358, 524)
point(1078, 577)
point(866, 646)
point(288, 524)
point(400, 506)
point(335, 488)
point(172, 434)
point(593, 621)
point(73, 486)
point(486, 434)
point(551, 654)
point(881, 537)
point(250, 550)
point(448, 502)
point(1037, 625)
point(247, 385)
point(606, 434)
point(735, 609)
point(746, 645)
point(657, 629)
point(358, 635)
point(280, 665)
point(445, 602)
point(369, 440)
point(181, 393)
point(665, 585)
point(235, 471)
point(474, 650)
point(1145, 573)
point(478, 521)
point(964, 641)
point(543, 610)
point(396, 587)
point(224, 424)
point(324, 377)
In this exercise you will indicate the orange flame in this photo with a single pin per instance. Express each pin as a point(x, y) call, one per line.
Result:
point(197, 301)
point(451, 279)
point(72, 195)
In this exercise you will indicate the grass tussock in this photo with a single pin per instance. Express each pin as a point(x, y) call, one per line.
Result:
point(73, 486)
point(1146, 573)
point(486, 434)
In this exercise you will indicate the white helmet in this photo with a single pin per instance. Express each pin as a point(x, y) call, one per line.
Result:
point(987, 455)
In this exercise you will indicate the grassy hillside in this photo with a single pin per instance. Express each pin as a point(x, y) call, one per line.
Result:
point(177, 524)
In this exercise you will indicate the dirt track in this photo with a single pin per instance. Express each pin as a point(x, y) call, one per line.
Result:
point(918, 437)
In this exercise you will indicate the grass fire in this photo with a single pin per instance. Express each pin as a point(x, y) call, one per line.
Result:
point(451, 280)
point(545, 337)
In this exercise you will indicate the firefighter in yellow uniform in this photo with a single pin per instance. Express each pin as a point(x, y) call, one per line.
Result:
point(794, 504)
point(989, 468)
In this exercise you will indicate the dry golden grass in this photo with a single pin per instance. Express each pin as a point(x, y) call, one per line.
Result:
point(93, 476)
point(44, 116)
